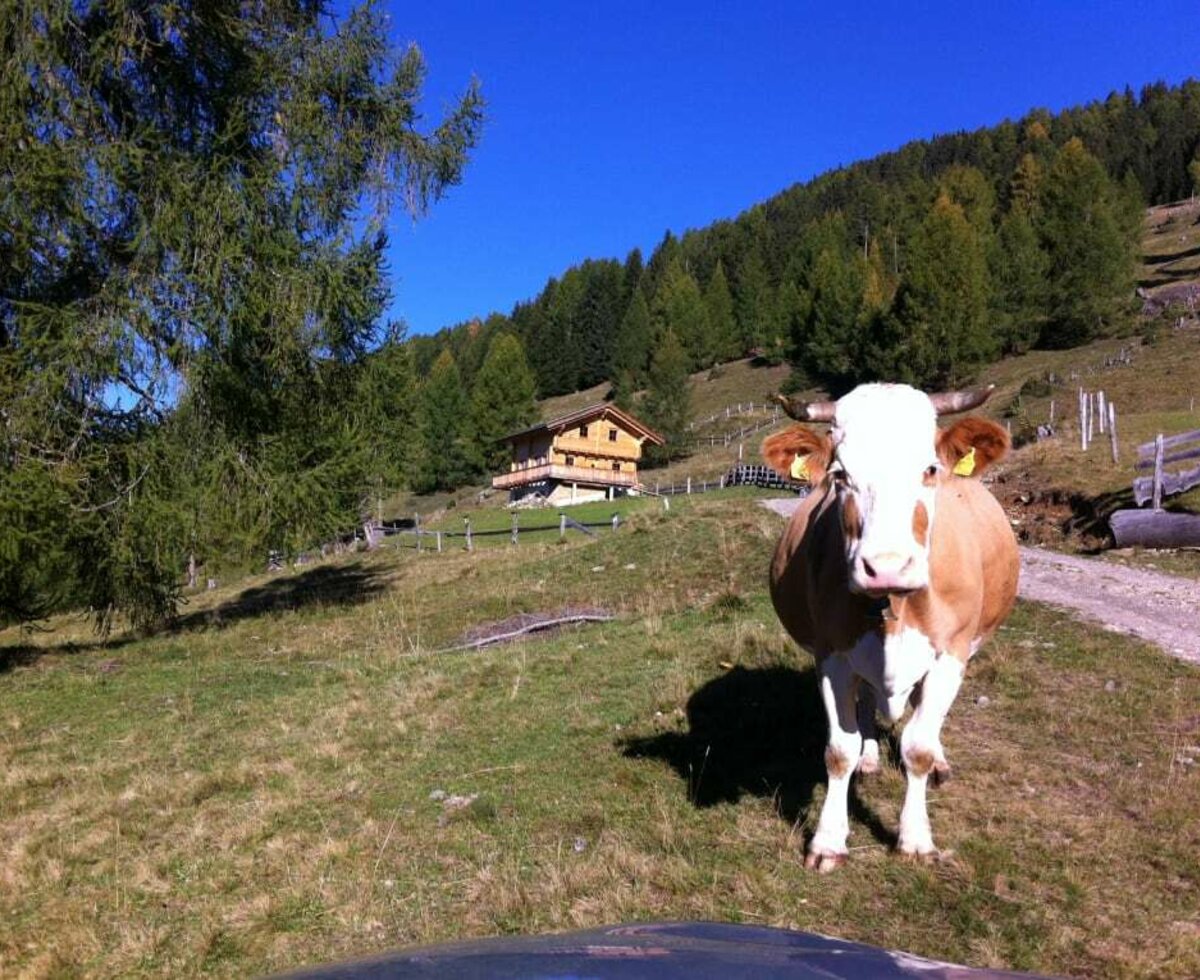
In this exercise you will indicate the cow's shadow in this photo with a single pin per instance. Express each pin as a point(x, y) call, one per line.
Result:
point(758, 731)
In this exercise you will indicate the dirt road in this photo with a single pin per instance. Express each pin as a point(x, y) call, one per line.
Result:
point(1161, 609)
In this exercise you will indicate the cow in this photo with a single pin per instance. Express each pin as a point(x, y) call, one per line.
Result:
point(893, 571)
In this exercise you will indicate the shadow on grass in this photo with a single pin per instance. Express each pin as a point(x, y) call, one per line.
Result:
point(325, 585)
point(754, 731)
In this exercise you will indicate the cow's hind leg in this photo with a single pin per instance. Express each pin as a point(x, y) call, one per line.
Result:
point(921, 748)
point(827, 850)
point(868, 765)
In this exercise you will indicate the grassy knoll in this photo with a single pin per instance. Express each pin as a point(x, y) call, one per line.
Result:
point(253, 791)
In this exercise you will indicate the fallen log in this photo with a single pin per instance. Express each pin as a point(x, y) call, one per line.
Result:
point(1155, 529)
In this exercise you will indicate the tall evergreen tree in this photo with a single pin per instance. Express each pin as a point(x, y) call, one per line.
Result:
point(502, 400)
point(718, 301)
point(668, 403)
point(1019, 269)
point(829, 351)
point(1091, 250)
point(752, 299)
point(679, 307)
point(631, 359)
point(192, 197)
point(447, 445)
point(943, 301)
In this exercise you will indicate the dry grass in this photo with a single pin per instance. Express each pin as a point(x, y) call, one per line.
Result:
point(253, 792)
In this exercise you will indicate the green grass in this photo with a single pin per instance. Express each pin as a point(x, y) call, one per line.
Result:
point(253, 792)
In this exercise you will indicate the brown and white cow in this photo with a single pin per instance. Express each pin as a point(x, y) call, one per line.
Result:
point(891, 573)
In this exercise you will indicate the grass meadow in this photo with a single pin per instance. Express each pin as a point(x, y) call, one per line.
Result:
point(295, 775)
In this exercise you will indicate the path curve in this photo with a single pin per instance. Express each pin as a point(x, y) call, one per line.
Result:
point(1161, 609)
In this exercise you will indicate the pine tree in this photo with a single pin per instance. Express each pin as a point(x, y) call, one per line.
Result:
point(502, 400)
point(1090, 249)
point(829, 350)
point(1018, 268)
point(943, 301)
point(667, 405)
point(679, 307)
point(752, 303)
point(718, 301)
point(447, 446)
point(631, 359)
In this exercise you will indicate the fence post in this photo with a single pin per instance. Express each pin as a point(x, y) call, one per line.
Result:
point(1082, 421)
point(1052, 413)
point(689, 483)
point(439, 541)
point(741, 446)
point(1103, 411)
point(417, 528)
point(616, 521)
point(1158, 467)
point(470, 543)
point(562, 526)
point(515, 528)
point(1112, 429)
point(666, 503)
point(722, 482)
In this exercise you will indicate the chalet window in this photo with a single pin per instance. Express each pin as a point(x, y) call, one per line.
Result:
point(583, 432)
point(570, 460)
point(617, 467)
point(612, 435)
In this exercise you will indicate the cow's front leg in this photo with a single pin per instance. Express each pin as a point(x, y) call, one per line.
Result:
point(921, 749)
point(868, 765)
point(838, 689)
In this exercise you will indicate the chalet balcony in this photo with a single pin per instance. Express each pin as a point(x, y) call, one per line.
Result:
point(583, 475)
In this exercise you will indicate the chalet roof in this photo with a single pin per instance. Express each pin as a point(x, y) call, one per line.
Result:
point(601, 410)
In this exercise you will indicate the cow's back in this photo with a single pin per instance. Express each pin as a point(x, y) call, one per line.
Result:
point(974, 562)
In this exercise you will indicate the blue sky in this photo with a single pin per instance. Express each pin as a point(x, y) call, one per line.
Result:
point(610, 123)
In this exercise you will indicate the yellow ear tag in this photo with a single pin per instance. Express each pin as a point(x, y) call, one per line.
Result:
point(799, 469)
point(966, 465)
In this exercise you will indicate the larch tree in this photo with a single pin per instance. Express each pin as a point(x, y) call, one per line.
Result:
point(192, 198)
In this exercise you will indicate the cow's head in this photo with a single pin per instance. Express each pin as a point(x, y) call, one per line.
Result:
point(884, 457)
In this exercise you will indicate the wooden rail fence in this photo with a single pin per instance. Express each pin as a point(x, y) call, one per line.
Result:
point(1156, 528)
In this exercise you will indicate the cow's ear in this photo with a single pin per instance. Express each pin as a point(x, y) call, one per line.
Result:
point(971, 445)
point(798, 453)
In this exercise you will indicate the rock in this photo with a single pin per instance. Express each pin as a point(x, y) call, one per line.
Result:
point(983, 700)
point(580, 845)
point(438, 795)
point(1110, 686)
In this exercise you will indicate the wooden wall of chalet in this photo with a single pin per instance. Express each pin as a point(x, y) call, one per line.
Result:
point(597, 444)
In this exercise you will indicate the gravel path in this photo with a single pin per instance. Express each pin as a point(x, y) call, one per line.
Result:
point(1161, 609)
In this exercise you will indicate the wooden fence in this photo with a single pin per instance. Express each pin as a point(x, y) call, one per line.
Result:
point(743, 431)
point(1156, 528)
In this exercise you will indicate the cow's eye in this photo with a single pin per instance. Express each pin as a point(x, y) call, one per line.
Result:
point(931, 473)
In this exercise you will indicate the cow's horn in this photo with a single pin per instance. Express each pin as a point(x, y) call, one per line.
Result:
point(807, 411)
point(949, 402)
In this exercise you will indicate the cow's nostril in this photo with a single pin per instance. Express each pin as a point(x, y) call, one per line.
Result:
point(868, 568)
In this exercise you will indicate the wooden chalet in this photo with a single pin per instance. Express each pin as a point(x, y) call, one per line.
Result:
point(591, 454)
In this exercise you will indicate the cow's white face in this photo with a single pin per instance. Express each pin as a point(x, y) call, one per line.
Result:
point(885, 468)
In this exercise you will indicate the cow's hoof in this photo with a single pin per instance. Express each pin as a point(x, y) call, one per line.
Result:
point(920, 853)
point(941, 772)
point(823, 862)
